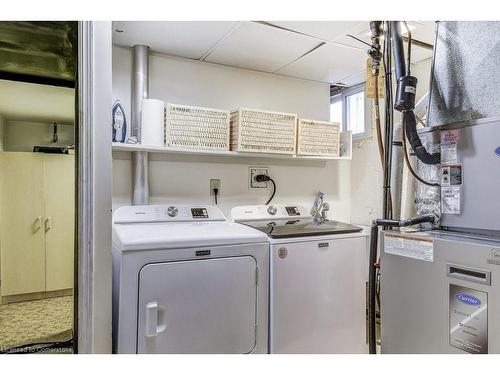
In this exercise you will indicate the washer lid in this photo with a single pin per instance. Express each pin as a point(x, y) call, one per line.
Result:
point(156, 236)
point(301, 227)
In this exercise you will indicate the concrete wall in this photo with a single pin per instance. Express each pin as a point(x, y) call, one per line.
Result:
point(185, 179)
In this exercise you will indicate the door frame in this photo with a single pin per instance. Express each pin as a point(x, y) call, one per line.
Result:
point(94, 188)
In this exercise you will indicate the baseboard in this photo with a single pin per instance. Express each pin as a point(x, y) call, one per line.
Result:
point(36, 296)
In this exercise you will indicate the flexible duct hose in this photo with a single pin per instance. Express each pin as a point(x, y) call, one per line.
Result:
point(422, 154)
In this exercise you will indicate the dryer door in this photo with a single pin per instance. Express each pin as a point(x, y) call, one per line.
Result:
point(198, 306)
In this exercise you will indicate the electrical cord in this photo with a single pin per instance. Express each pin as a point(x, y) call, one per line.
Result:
point(216, 193)
point(274, 191)
point(266, 178)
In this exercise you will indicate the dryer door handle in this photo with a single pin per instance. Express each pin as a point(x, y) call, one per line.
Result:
point(152, 327)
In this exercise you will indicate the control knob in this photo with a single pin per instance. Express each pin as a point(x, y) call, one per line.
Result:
point(271, 210)
point(172, 211)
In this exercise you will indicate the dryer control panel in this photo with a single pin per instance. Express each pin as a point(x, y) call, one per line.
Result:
point(166, 213)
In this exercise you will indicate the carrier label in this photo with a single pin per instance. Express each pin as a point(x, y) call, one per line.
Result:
point(468, 319)
point(409, 247)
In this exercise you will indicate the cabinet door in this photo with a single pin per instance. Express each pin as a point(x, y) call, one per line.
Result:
point(21, 228)
point(59, 220)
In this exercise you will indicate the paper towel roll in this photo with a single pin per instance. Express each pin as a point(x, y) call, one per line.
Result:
point(152, 122)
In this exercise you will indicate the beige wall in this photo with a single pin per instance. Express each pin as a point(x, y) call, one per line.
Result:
point(185, 179)
point(2, 132)
point(23, 135)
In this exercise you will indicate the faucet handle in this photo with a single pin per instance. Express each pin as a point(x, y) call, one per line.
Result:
point(324, 209)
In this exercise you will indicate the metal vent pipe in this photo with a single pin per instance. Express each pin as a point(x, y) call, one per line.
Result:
point(140, 91)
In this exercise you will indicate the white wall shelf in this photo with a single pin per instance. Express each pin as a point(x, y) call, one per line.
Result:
point(179, 151)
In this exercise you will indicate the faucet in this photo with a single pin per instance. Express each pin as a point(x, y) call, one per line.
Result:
point(320, 214)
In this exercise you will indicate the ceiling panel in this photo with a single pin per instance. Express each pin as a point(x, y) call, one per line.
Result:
point(191, 39)
point(261, 47)
point(329, 63)
point(324, 30)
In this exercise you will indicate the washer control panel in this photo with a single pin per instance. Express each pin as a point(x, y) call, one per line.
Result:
point(271, 210)
point(199, 213)
point(292, 210)
point(166, 213)
point(244, 213)
point(172, 211)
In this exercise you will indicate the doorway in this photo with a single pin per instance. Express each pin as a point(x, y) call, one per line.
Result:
point(38, 186)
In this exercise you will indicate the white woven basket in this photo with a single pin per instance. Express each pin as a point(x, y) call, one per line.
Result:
point(318, 138)
point(197, 127)
point(263, 131)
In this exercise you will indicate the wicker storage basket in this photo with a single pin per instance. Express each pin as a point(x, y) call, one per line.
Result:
point(263, 131)
point(318, 138)
point(197, 127)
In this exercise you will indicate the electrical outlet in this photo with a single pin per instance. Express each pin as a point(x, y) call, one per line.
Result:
point(214, 184)
point(255, 171)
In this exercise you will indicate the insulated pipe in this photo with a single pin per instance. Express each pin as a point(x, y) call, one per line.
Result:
point(140, 91)
point(398, 155)
point(397, 45)
point(389, 123)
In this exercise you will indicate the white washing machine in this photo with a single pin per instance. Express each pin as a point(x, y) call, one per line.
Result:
point(186, 280)
point(317, 280)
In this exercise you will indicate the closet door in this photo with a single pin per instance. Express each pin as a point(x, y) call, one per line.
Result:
point(21, 223)
point(59, 220)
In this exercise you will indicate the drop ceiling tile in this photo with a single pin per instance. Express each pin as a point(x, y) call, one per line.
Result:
point(261, 47)
point(329, 63)
point(354, 79)
point(191, 39)
point(325, 30)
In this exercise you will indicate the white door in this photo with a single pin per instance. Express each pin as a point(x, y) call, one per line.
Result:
point(198, 306)
point(318, 297)
point(59, 220)
point(22, 234)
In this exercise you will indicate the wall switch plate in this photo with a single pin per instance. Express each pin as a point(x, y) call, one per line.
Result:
point(214, 184)
point(255, 171)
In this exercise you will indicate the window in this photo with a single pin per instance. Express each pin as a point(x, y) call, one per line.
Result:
point(336, 108)
point(352, 111)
